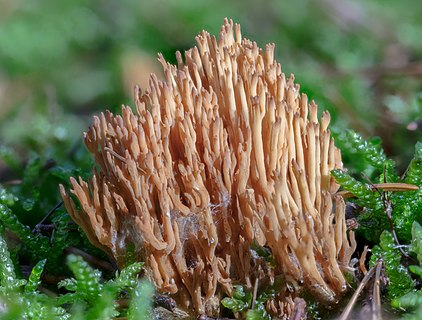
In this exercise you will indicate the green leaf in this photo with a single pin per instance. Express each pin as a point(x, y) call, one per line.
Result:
point(10, 158)
point(399, 280)
point(34, 277)
point(258, 313)
point(127, 277)
point(408, 301)
point(417, 240)
point(69, 284)
point(416, 270)
point(362, 191)
point(234, 304)
point(91, 299)
point(241, 294)
point(87, 279)
point(373, 155)
point(414, 170)
point(30, 182)
point(7, 198)
point(38, 244)
point(7, 271)
point(104, 306)
point(140, 307)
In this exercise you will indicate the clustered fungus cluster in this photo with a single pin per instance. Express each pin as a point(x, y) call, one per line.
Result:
point(224, 153)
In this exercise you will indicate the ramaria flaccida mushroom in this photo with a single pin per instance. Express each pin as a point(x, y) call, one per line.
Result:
point(224, 153)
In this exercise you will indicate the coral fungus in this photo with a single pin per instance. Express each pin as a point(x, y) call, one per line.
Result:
point(224, 153)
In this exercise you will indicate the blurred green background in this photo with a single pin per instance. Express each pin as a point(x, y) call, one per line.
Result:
point(62, 61)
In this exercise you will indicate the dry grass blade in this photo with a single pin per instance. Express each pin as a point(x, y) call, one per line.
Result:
point(383, 186)
point(364, 282)
point(376, 300)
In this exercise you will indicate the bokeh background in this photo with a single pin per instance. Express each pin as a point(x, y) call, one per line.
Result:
point(63, 61)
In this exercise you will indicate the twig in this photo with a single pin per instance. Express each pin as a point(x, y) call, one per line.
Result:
point(376, 300)
point(37, 227)
point(51, 279)
point(47, 292)
point(362, 285)
point(410, 69)
point(160, 300)
point(400, 187)
point(255, 292)
point(91, 259)
point(50, 163)
point(14, 182)
point(388, 210)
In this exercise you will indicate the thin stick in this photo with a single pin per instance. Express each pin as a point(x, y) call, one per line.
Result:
point(352, 301)
point(91, 259)
point(255, 292)
point(47, 216)
point(388, 211)
point(376, 300)
point(400, 187)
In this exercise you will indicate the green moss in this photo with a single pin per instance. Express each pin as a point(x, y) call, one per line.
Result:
point(399, 280)
point(403, 206)
point(89, 296)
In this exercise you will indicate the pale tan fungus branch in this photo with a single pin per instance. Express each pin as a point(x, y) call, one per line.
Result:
point(224, 152)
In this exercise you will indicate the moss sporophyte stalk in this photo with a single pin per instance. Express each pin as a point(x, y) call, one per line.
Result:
point(225, 153)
